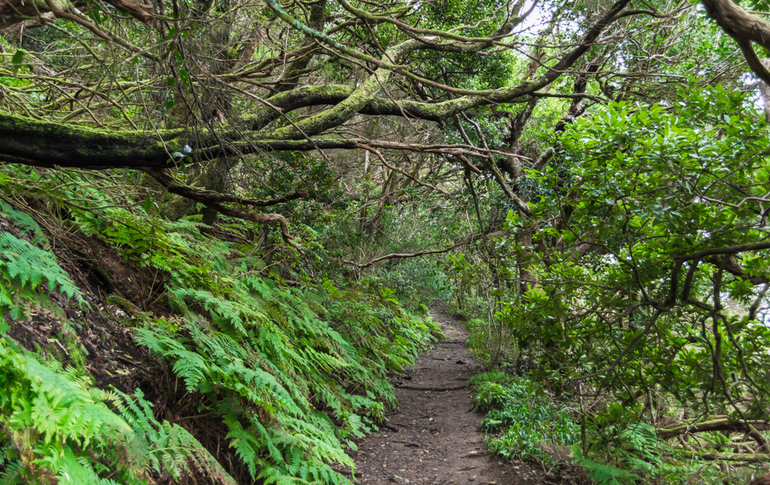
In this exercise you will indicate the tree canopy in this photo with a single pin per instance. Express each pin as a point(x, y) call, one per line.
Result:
point(596, 171)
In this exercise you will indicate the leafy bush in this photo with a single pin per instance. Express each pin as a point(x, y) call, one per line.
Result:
point(622, 450)
point(522, 421)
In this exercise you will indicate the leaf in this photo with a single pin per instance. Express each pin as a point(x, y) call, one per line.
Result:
point(5, 297)
point(18, 57)
point(28, 266)
point(149, 204)
point(184, 76)
point(95, 16)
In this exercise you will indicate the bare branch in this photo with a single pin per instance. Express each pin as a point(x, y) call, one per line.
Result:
point(215, 200)
point(406, 255)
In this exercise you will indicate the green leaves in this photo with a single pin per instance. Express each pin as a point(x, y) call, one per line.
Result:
point(79, 434)
point(618, 304)
point(268, 358)
point(18, 59)
point(24, 269)
point(606, 474)
point(521, 418)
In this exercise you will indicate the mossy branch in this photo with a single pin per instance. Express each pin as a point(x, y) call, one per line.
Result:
point(712, 456)
point(721, 424)
point(216, 199)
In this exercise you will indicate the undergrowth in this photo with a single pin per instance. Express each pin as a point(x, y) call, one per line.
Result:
point(56, 426)
point(522, 421)
point(27, 270)
point(295, 373)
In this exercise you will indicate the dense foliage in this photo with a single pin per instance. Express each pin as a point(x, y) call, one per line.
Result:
point(292, 373)
point(522, 422)
point(586, 180)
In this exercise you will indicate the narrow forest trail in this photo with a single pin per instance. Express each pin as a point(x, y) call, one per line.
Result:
point(434, 437)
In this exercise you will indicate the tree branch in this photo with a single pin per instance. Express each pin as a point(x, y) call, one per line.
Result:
point(48, 144)
point(738, 248)
point(734, 268)
point(405, 255)
point(712, 425)
point(210, 196)
point(13, 12)
point(745, 28)
point(214, 199)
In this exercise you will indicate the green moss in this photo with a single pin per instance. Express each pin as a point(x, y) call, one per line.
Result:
point(76, 354)
point(49, 143)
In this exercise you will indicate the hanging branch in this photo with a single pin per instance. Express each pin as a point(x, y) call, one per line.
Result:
point(215, 200)
point(402, 172)
point(469, 240)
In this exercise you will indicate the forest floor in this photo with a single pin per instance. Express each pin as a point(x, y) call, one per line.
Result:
point(434, 437)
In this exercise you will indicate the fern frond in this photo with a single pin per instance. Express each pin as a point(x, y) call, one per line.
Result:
point(75, 434)
point(247, 446)
point(171, 447)
point(25, 223)
point(25, 267)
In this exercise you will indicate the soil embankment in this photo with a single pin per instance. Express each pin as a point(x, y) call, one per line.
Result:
point(434, 437)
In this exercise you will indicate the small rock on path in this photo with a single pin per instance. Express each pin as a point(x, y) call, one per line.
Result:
point(434, 438)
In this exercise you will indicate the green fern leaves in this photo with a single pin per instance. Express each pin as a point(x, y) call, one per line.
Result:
point(165, 447)
point(31, 266)
point(24, 269)
point(282, 370)
point(55, 426)
point(293, 374)
point(25, 223)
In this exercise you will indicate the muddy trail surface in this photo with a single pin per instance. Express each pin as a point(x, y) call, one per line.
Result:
point(434, 437)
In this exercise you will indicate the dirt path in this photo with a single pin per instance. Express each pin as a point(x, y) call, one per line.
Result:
point(434, 437)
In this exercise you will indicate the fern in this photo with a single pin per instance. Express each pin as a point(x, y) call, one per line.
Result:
point(247, 445)
point(223, 312)
point(640, 448)
point(58, 426)
point(293, 374)
point(170, 447)
point(643, 441)
point(605, 474)
point(257, 377)
point(31, 266)
point(25, 223)
point(24, 268)
point(13, 469)
point(50, 415)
